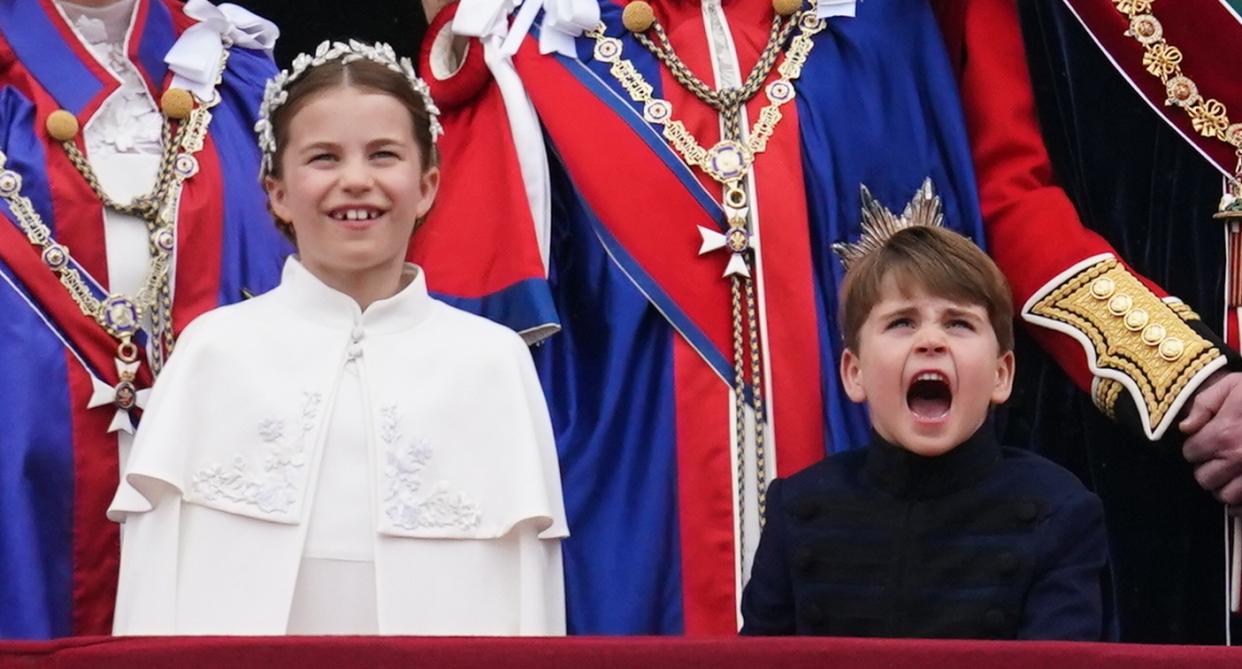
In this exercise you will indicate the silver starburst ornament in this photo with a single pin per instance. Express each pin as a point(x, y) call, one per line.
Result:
point(879, 224)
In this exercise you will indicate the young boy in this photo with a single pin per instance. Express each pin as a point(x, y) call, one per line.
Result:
point(933, 530)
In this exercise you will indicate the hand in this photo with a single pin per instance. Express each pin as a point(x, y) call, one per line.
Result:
point(1214, 446)
point(433, 7)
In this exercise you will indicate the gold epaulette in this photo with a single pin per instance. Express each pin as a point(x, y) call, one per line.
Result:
point(1135, 341)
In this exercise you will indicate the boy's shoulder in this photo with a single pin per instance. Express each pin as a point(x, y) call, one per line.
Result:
point(1023, 470)
point(1018, 475)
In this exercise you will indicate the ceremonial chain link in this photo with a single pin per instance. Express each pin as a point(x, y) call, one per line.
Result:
point(730, 100)
point(118, 314)
point(155, 210)
point(728, 162)
point(1208, 117)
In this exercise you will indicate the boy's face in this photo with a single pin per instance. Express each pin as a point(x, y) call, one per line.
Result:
point(929, 369)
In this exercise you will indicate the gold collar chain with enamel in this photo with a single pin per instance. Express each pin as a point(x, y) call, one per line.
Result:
point(118, 314)
point(1208, 116)
point(728, 162)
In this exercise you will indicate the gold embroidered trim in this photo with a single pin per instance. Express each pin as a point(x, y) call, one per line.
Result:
point(1184, 311)
point(1105, 397)
point(1132, 332)
point(1208, 117)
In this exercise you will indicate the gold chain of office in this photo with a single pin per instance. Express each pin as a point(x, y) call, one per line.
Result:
point(1208, 116)
point(118, 314)
point(728, 162)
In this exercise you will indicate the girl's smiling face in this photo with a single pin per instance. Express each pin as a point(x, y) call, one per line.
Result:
point(352, 183)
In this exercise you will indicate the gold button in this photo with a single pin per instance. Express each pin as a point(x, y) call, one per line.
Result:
point(177, 103)
point(1103, 288)
point(62, 125)
point(1120, 304)
point(1172, 349)
point(637, 17)
point(1153, 333)
point(786, 7)
point(1136, 320)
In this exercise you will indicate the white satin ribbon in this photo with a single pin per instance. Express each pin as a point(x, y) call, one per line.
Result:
point(488, 20)
point(829, 8)
point(563, 21)
point(195, 58)
point(480, 18)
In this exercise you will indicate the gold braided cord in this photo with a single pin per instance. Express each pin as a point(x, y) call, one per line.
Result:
point(1107, 392)
point(756, 384)
point(728, 102)
point(739, 407)
point(147, 207)
point(1208, 116)
point(729, 99)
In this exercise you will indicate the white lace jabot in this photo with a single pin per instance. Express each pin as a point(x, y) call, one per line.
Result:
point(128, 121)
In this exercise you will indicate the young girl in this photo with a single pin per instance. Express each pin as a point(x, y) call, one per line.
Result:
point(344, 454)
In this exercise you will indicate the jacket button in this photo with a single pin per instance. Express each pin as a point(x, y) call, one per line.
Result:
point(1026, 512)
point(356, 334)
point(355, 352)
point(1007, 563)
point(804, 560)
point(806, 509)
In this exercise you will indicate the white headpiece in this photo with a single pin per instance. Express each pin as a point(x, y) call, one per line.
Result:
point(277, 90)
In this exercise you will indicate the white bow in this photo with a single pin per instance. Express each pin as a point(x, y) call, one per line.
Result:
point(195, 59)
point(480, 18)
point(563, 20)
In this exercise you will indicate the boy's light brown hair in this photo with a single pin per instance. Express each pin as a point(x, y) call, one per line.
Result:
point(943, 263)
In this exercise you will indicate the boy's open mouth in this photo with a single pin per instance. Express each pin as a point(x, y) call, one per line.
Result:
point(929, 396)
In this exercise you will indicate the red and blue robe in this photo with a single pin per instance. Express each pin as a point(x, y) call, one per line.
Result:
point(639, 376)
point(58, 462)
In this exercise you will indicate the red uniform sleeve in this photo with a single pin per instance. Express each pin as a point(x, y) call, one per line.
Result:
point(1109, 328)
point(478, 244)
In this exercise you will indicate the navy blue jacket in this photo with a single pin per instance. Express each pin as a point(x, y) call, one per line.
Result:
point(981, 542)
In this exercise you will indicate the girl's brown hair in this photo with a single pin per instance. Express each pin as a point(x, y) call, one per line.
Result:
point(364, 74)
point(361, 73)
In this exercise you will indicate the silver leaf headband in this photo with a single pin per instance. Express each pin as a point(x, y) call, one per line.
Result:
point(276, 93)
point(879, 224)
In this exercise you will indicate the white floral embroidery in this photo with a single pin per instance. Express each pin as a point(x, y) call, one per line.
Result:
point(274, 487)
point(404, 500)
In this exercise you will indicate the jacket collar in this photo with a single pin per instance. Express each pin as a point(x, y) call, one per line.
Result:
point(909, 475)
point(315, 301)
